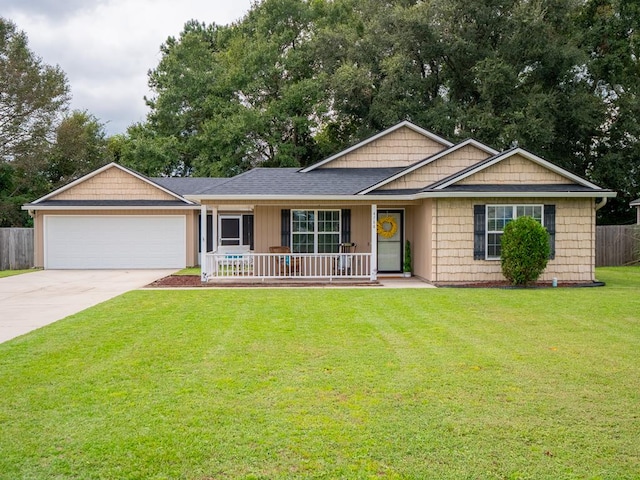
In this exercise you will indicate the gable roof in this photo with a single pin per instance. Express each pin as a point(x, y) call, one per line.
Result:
point(47, 199)
point(635, 203)
point(478, 167)
point(398, 126)
point(431, 159)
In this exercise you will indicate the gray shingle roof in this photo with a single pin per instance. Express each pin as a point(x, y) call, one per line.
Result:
point(290, 181)
point(188, 185)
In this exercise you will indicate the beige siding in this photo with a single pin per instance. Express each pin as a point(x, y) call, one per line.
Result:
point(191, 222)
point(453, 242)
point(267, 226)
point(399, 148)
point(513, 170)
point(439, 169)
point(113, 184)
point(421, 239)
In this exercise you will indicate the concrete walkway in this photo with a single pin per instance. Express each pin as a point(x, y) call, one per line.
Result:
point(35, 299)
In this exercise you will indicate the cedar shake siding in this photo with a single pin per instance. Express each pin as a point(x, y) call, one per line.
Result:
point(400, 148)
point(453, 241)
point(438, 169)
point(515, 170)
point(113, 184)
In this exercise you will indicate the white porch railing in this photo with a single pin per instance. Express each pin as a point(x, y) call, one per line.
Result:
point(288, 265)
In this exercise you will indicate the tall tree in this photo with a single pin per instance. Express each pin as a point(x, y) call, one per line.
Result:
point(298, 79)
point(80, 147)
point(610, 33)
point(33, 96)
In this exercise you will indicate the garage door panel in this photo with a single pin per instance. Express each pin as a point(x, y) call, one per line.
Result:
point(115, 242)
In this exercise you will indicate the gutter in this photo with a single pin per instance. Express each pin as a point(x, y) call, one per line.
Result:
point(417, 196)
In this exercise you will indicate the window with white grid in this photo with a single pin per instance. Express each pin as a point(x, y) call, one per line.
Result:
point(498, 216)
point(315, 231)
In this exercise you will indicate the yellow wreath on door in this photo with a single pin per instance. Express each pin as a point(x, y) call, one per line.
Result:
point(387, 227)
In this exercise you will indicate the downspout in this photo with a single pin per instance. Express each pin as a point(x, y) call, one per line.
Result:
point(601, 203)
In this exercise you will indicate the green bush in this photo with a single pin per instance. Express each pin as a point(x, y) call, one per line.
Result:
point(525, 250)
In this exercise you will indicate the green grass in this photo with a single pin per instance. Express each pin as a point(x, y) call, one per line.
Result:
point(189, 271)
point(11, 273)
point(331, 383)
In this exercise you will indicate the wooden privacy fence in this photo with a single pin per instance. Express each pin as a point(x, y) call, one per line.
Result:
point(16, 248)
point(617, 245)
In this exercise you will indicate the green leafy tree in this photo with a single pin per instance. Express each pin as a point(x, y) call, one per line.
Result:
point(296, 80)
point(524, 250)
point(80, 147)
point(33, 96)
point(609, 33)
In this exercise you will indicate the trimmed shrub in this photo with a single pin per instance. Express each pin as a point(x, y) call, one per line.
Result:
point(525, 250)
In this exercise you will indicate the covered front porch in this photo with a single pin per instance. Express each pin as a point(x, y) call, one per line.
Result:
point(288, 266)
point(341, 244)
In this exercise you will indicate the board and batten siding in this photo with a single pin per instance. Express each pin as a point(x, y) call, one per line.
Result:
point(400, 148)
point(113, 184)
point(452, 241)
point(439, 169)
point(191, 228)
point(267, 219)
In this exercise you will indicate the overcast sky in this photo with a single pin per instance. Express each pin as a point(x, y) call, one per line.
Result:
point(106, 47)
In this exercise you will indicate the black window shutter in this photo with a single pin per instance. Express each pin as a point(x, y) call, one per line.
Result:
point(346, 225)
point(247, 230)
point(550, 225)
point(285, 227)
point(479, 213)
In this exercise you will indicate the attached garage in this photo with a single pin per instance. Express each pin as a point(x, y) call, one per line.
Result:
point(103, 242)
point(115, 218)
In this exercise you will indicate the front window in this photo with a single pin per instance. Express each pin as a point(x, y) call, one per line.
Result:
point(497, 218)
point(315, 231)
point(230, 230)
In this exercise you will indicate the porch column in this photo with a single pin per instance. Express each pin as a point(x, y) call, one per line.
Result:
point(374, 242)
point(214, 229)
point(204, 274)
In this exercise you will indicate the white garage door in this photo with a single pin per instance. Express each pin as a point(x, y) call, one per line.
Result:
point(84, 242)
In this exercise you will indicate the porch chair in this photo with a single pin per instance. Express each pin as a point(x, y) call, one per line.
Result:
point(285, 264)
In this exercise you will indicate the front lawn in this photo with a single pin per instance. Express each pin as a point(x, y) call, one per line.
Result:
point(331, 383)
point(11, 273)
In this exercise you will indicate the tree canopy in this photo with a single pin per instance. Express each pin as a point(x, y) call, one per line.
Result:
point(295, 80)
point(42, 145)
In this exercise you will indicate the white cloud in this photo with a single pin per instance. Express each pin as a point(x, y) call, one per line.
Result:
point(106, 47)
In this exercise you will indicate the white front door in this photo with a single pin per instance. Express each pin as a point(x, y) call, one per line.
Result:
point(390, 236)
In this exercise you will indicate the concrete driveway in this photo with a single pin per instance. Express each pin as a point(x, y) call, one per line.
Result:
point(36, 299)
